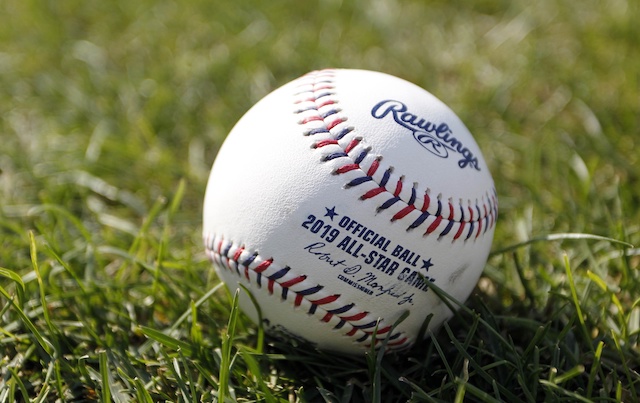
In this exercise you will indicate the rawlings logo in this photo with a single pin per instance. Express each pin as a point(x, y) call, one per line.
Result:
point(436, 138)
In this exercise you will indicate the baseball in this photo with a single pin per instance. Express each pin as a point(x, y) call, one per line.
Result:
point(338, 199)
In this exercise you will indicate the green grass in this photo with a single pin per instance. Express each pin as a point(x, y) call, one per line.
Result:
point(111, 114)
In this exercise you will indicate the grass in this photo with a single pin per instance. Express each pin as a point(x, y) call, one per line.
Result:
point(110, 117)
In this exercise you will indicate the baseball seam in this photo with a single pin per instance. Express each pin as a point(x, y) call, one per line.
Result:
point(318, 109)
point(343, 317)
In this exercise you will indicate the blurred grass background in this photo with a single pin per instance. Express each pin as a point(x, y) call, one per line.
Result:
point(111, 114)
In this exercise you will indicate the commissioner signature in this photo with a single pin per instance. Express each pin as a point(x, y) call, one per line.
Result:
point(317, 250)
point(371, 280)
point(366, 282)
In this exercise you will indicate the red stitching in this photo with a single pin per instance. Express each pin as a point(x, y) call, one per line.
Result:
point(374, 167)
point(334, 123)
point(396, 192)
point(236, 256)
point(383, 330)
point(326, 300)
point(324, 103)
point(347, 168)
point(327, 142)
point(323, 87)
point(460, 230)
point(311, 119)
point(434, 225)
point(373, 192)
point(292, 282)
point(356, 317)
point(396, 343)
point(352, 145)
point(263, 266)
point(352, 332)
point(402, 213)
point(427, 202)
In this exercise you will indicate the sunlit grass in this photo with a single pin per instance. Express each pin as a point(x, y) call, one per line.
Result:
point(110, 117)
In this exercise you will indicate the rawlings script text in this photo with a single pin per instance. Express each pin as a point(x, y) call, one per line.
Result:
point(437, 138)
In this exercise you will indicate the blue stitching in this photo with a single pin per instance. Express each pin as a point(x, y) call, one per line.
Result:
point(388, 203)
point(333, 156)
point(342, 309)
point(439, 209)
point(419, 221)
point(281, 273)
point(250, 259)
point(363, 338)
point(448, 228)
point(324, 94)
point(470, 230)
point(329, 113)
point(311, 290)
point(344, 132)
point(319, 130)
point(309, 108)
point(412, 199)
point(226, 250)
point(359, 181)
point(367, 325)
point(361, 156)
point(385, 178)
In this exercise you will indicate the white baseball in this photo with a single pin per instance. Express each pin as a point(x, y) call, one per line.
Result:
point(338, 198)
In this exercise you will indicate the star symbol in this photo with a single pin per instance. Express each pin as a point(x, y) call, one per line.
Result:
point(331, 212)
point(426, 264)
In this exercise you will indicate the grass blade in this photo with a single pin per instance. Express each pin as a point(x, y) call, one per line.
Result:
point(595, 367)
point(42, 341)
point(561, 237)
point(227, 346)
point(630, 374)
point(570, 374)
point(555, 388)
point(574, 299)
point(254, 369)
point(17, 381)
point(479, 393)
point(167, 340)
point(104, 376)
point(15, 277)
point(142, 394)
point(260, 338)
point(41, 288)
